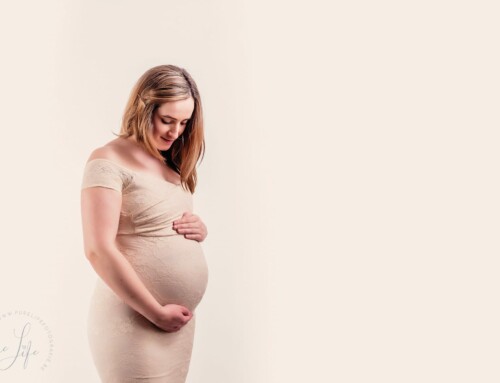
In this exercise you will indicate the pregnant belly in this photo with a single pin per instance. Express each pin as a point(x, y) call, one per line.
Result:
point(173, 268)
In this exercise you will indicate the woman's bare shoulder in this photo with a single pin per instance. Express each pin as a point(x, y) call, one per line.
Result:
point(110, 151)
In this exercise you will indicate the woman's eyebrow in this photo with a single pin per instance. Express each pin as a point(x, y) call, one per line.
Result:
point(173, 118)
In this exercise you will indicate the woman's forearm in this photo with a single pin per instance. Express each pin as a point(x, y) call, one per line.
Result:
point(117, 272)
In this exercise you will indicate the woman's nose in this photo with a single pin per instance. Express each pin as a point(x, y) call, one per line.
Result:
point(174, 130)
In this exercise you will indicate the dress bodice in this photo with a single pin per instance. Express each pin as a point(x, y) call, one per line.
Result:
point(149, 203)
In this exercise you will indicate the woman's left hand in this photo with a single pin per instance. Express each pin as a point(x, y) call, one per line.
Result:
point(191, 226)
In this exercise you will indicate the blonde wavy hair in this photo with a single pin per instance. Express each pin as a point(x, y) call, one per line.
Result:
point(160, 84)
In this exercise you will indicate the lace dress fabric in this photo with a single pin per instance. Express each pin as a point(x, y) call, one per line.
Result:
point(125, 346)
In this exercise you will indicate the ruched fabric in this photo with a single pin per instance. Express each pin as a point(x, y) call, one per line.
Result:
point(125, 346)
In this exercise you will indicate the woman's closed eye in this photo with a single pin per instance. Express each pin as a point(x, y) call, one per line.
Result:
point(169, 122)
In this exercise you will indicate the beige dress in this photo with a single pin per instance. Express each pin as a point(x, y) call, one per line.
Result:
point(125, 346)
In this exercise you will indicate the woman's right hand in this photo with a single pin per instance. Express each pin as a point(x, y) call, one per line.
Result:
point(172, 317)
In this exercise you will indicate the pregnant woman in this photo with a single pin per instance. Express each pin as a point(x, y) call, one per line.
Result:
point(141, 235)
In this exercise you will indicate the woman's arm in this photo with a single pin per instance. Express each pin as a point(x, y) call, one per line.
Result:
point(100, 208)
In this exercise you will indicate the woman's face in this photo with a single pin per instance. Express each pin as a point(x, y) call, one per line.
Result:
point(169, 122)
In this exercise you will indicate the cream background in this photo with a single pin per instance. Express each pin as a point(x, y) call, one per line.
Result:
point(350, 185)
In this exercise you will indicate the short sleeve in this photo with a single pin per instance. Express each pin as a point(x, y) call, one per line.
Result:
point(104, 173)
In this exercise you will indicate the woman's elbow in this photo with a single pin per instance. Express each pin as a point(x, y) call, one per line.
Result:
point(94, 252)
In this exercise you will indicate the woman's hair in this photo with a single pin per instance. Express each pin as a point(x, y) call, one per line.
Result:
point(160, 84)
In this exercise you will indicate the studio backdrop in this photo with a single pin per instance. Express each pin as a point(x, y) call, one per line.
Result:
point(349, 186)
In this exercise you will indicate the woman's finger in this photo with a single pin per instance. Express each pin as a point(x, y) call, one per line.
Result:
point(193, 236)
point(187, 218)
point(186, 225)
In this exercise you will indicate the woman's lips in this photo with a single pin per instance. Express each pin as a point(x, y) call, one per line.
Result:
point(169, 141)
